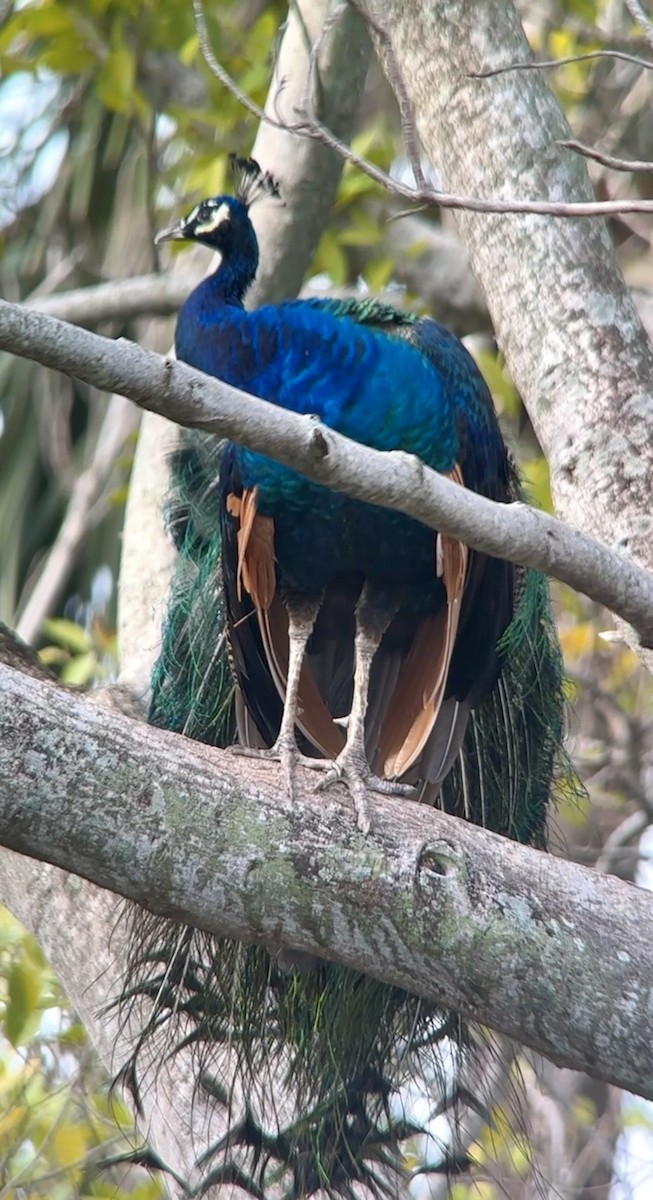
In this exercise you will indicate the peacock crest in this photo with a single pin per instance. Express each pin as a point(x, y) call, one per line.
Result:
point(251, 182)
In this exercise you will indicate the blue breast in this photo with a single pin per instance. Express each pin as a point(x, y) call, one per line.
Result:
point(380, 390)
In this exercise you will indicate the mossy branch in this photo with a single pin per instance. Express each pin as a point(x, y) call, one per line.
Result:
point(547, 951)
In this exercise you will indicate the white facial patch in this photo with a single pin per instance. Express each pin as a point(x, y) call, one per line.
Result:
point(212, 220)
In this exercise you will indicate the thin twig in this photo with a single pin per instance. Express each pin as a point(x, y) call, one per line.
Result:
point(406, 110)
point(308, 127)
point(606, 160)
point(640, 17)
point(394, 480)
point(430, 196)
point(219, 71)
point(552, 63)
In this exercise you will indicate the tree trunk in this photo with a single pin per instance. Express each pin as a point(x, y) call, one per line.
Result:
point(563, 315)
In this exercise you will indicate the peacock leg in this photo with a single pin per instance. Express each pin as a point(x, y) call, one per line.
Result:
point(374, 612)
point(302, 614)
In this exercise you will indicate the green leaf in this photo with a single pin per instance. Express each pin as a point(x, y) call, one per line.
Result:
point(115, 86)
point(45, 22)
point(53, 656)
point(11, 931)
point(81, 671)
point(330, 258)
point(536, 476)
point(68, 634)
point(24, 992)
point(189, 50)
point(362, 231)
point(378, 273)
point(69, 57)
point(74, 1037)
point(69, 1144)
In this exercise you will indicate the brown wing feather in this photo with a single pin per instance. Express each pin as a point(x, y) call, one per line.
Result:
point(416, 702)
point(255, 570)
point(257, 575)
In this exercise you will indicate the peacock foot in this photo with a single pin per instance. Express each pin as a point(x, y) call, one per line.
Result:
point(286, 752)
point(351, 769)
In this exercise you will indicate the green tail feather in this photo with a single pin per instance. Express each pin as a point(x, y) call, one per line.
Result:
point(192, 687)
point(330, 1047)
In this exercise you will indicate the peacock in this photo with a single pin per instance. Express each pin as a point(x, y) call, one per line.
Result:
point(344, 637)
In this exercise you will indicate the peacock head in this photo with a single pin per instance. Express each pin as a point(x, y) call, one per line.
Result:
point(222, 222)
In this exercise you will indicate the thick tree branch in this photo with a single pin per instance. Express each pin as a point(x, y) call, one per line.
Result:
point(543, 950)
point(394, 480)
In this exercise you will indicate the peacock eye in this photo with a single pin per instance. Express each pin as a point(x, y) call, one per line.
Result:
point(213, 219)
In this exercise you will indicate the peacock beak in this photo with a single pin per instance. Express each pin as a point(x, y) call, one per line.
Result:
point(176, 233)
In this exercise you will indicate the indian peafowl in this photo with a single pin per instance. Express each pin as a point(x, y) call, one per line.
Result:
point(319, 628)
point(341, 613)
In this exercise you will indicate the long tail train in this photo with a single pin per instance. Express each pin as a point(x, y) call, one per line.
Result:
point(314, 1073)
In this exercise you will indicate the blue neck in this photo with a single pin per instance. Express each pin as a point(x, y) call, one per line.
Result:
point(230, 283)
point(239, 264)
point(208, 318)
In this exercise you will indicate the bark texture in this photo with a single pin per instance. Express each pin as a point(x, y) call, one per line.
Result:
point(562, 313)
point(546, 951)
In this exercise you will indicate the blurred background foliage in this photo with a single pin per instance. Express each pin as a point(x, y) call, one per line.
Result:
point(58, 1121)
point(110, 119)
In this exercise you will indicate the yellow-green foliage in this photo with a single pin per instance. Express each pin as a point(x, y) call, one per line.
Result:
point(79, 657)
point(57, 1119)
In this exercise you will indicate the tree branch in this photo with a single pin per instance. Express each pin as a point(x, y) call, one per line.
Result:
point(543, 950)
point(308, 126)
point(119, 299)
point(119, 422)
point(172, 389)
point(553, 63)
point(638, 14)
point(607, 160)
point(561, 310)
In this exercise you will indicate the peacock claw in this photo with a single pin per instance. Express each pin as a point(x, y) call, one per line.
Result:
point(351, 769)
point(284, 752)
